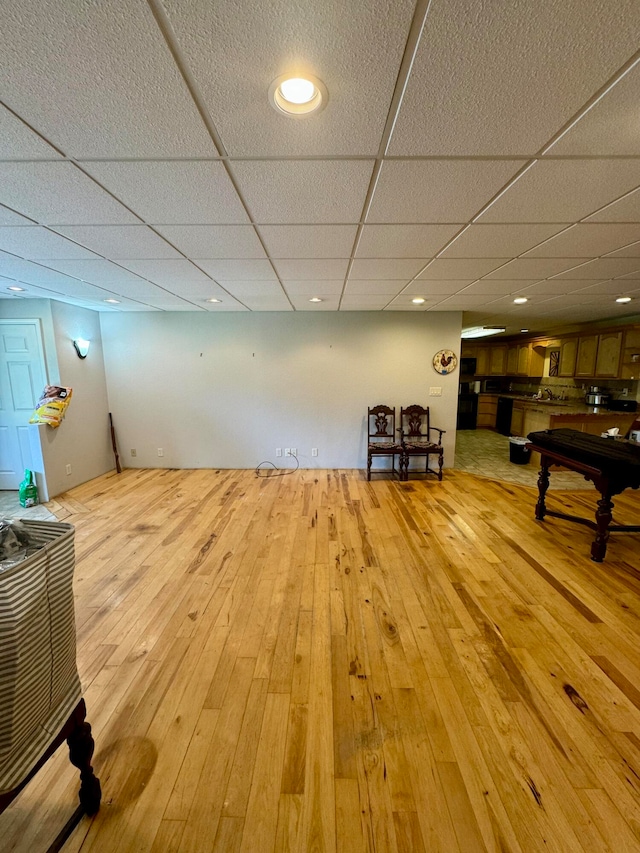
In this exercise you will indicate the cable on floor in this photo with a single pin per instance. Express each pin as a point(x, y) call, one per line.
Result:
point(281, 471)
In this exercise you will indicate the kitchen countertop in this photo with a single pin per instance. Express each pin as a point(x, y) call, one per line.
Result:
point(557, 407)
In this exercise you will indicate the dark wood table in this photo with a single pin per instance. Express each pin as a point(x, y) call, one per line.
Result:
point(612, 465)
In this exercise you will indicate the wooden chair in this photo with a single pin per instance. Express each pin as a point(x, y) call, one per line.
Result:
point(415, 433)
point(382, 439)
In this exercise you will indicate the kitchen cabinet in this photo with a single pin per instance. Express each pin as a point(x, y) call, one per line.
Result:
point(468, 351)
point(487, 408)
point(586, 357)
point(482, 361)
point(517, 418)
point(630, 361)
point(568, 355)
point(608, 358)
point(498, 360)
point(512, 360)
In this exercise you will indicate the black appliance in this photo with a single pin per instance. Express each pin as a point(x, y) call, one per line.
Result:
point(467, 366)
point(467, 411)
point(622, 405)
point(503, 415)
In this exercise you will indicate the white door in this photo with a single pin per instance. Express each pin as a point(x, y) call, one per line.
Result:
point(22, 379)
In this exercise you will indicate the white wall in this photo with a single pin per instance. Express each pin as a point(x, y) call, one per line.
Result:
point(225, 390)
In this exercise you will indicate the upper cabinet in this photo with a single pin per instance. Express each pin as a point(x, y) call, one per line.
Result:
point(568, 353)
point(630, 362)
point(512, 360)
point(498, 360)
point(608, 359)
point(482, 361)
point(587, 352)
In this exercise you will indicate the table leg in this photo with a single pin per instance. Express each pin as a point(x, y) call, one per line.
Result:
point(603, 520)
point(543, 485)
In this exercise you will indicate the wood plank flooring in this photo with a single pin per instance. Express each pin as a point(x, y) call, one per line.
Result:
point(317, 663)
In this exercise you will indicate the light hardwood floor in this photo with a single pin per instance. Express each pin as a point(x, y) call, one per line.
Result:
point(317, 663)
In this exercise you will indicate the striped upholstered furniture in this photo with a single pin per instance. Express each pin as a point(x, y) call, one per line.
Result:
point(40, 695)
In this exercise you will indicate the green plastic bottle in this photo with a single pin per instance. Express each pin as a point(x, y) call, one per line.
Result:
point(28, 492)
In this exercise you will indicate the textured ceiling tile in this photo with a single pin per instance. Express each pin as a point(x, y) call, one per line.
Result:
point(98, 80)
point(603, 268)
point(626, 209)
point(459, 268)
point(36, 243)
point(313, 269)
point(564, 190)
point(139, 289)
point(240, 289)
point(249, 270)
point(198, 291)
point(583, 240)
point(19, 142)
point(222, 307)
point(58, 193)
point(166, 273)
point(494, 288)
point(534, 267)
point(630, 251)
point(120, 241)
point(552, 287)
point(384, 287)
point(617, 109)
point(499, 78)
point(214, 241)
point(437, 190)
point(96, 271)
point(320, 288)
point(237, 49)
point(389, 268)
point(309, 241)
point(619, 287)
point(329, 303)
point(404, 241)
point(304, 191)
point(420, 287)
point(267, 303)
point(498, 241)
point(172, 192)
point(8, 217)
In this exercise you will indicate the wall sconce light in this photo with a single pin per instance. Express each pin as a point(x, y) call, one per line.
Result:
point(82, 347)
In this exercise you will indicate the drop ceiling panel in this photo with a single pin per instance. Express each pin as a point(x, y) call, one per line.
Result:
point(389, 268)
point(304, 191)
point(138, 289)
point(365, 300)
point(373, 287)
point(437, 190)
point(167, 302)
point(214, 241)
point(249, 270)
point(552, 287)
point(585, 240)
point(312, 269)
point(475, 62)
point(564, 190)
point(498, 241)
point(36, 243)
point(98, 271)
point(308, 289)
point(237, 49)
point(58, 194)
point(457, 269)
point(404, 241)
point(120, 241)
point(619, 109)
point(79, 289)
point(603, 268)
point(221, 307)
point(527, 268)
point(630, 251)
point(8, 217)
point(625, 209)
point(19, 142)
point(242, 289)
point(619, 287)
point(277, 302)
point(329, 303)
point(166, 273)
point(198, 291)
point(420, 287)
point(494, 288)
point(98, 80)
point(31, 272)
point(309, 241)
point(171, 192)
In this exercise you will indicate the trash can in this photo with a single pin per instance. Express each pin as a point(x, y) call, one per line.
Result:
point(519, 453)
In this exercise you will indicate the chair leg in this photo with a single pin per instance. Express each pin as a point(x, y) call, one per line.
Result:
point(368, 466)
point(440, 463)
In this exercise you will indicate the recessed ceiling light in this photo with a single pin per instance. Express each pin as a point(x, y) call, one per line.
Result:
point(298, 96)
point(16, 288)
point(520, 300)
point(524, 330)
point(315, 299)
point(623, 299)
point(113, 301)
point(419, 300)
point(214, 300)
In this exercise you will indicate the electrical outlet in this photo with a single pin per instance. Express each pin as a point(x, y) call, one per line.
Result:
point(278, 451)
point(293, 451)
point(68, 469)
point(134, 452)
point(624, 392)
point(314, 451)
point(435, 391)
point(160, 452)
point(287, 451)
